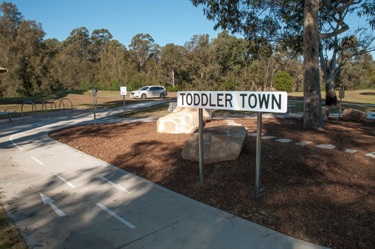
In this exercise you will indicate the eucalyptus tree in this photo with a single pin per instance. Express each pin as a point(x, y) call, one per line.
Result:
point(77, 44)
point(232, 56)
point(295, 23)
point(50, 67)
point(339, 42)
point(172, 60)
point(142, 49)
point(112, 67)
point(98, 40)
point(358, 73)
point(75, 64)
point(203, 70)
point(21, 52)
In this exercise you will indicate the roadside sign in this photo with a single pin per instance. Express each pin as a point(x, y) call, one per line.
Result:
point(123, 90)
point(342, 94)
point(275, 102)
point(259, 102)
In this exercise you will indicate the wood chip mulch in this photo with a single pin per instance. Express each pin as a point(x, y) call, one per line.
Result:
point(323, 196)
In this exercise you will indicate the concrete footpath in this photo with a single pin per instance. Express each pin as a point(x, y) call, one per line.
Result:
point(59, 197)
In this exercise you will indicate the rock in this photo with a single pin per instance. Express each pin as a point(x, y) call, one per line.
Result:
point(182, 120)
point(220, 143)
point(353, 115)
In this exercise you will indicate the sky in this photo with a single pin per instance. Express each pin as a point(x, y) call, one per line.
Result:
point(167, 21)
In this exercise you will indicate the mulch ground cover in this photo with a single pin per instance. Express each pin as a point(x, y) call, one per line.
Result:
point(318, 195)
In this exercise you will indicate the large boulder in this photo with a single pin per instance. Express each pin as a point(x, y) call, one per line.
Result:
point(182, 120)
point(353, 115)
point(220, 143)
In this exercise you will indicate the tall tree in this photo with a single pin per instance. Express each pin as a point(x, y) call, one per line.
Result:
point(75, 64)
point(172, 58)
point(21, 51)
point(312, 117)
point(112, 65)
point(335, 35)
point(142, 49)
point(98, 40)
point(203, 70)
point(283, 20)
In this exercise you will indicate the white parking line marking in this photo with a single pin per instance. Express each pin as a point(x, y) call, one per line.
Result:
point(115, 215)
point(118, 186)
point(11, 139)
point(66, 182)
point(36, 160)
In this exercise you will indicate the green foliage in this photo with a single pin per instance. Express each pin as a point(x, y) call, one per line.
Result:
point(228, 86)
point(371, 84)
point(115, 86)
point(85, 86)
point(176, 88)
point(283, 81)
point(133, 85)
point(85, 60)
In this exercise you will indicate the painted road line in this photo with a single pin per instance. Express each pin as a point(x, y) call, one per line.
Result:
point(122, 220)
point(51, 202)
point(65, 181)
point(36, 160)
point(11, 139)
point(118, 186)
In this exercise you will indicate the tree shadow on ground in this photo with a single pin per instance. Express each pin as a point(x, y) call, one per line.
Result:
point(323, 196)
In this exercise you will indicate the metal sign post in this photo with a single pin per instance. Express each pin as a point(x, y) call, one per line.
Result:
point(258, 154)
point(259, 102)
point(341, 96)
point(94, 94)
point(123, 91)
point(201, 144)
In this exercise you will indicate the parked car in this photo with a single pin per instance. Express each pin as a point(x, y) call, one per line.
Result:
point(149, 92)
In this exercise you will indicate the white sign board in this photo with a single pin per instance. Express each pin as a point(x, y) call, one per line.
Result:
point(123, 90)
point(275, 102)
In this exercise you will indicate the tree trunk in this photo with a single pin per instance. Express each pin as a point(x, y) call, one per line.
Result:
point(331, 98)
point(329, 70)
point(312, 117)
point(173, 83)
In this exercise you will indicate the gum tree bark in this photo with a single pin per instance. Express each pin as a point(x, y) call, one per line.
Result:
point(312, 117)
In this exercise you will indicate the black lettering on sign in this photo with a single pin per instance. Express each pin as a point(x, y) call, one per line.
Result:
point(189, 101)
point(219, 99)
point(228, 99)
point(182, 97)
point(274, 101)
point(252, 98)
point(264, 100)
point(196, 99)
point(204, 99)
point(243, 99)
point(211, 104)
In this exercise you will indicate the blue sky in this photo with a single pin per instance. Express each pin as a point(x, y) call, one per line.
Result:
point(167, 21)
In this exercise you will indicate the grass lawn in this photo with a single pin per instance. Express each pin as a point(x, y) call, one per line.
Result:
point(9, 236)
point(76, 100)
point(356, 96)
point(105, 99)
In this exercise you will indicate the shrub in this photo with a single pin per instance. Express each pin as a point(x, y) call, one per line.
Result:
point(283, 81)
point(176, 88)
point(133, 85)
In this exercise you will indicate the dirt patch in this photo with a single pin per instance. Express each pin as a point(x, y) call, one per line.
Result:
point(318, 195)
